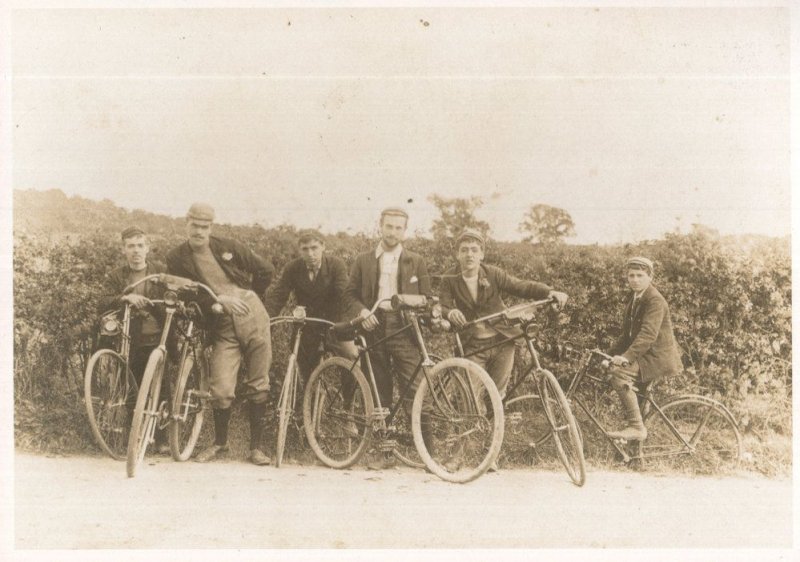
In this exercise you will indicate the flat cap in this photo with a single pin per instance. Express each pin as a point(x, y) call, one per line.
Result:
point(641, 262)
point(132, 231)
point(201, 212)
point(396, 211)
point(472, 233)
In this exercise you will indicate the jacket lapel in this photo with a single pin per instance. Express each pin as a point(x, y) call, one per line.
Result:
point(188, 262)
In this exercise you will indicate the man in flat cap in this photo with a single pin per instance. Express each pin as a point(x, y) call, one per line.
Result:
point(472, 289)
point(318, 281)
point(145, 328)
point(646, 349)
point(240, 278)
point(378, 274)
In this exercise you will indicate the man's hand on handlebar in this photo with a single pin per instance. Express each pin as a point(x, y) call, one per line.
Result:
point(136, 301)
point(620, 361)
point(368, 320)
point(233, 305)
point(457, 318)
point(559, 297)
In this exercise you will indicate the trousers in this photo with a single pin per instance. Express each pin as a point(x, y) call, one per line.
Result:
point(237, 338)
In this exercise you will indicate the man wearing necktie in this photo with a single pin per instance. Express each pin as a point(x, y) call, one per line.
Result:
point(646, 350)
point(318, 281)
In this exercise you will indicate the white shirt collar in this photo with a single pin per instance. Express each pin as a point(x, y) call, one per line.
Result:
point(379, 251)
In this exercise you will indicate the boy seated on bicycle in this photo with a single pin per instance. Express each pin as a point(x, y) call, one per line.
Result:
point(646, 349)
point(145, 328)
point(472, 289)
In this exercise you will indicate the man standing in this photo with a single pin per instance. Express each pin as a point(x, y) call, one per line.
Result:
point(379, 274)
point(471, 289)
point(646, 350)
point(318, 281)
point(145, 329)
point(240, 278)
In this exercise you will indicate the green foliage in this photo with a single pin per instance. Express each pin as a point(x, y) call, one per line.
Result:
point(730, 300)
point(544, 224)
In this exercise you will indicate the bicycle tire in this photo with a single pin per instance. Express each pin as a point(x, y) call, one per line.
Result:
point(707, 422)
point(566, 435)
point(143, 424)
point(285, 407)
point(337, 412)
point(464, 440)
point(188, 401)
point(108, 388)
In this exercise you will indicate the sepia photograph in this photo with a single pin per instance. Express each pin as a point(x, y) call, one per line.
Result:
point(410, 280)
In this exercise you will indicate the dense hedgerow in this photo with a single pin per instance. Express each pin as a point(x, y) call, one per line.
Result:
point(730, 301)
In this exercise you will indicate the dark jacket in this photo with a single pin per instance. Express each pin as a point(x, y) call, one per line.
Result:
point(113, 287)
point(243, 266)
point(323, 297)
point(362, 289)
point(493, 283)
point(116, 281)
point(647, 336)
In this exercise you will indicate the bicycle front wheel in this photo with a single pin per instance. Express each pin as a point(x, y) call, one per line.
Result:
point(712, 434)
point(457, 420)
point(528, 431)
point(565, 432)
point(337, 411)
point(188, 404)
point(285, 407)
point(108, 389)
point(143, 424)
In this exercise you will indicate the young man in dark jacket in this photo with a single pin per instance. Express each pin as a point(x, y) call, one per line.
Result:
point(646, 350)
point(145, 327)
point(318, 281)
point(239, 277)
point(472, 289)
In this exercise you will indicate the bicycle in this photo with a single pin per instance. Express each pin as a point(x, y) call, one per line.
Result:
point(456, 402)
point(527, 425)
point(288, 395)
point(185, 412)
point(109, 386)
point(686, 429)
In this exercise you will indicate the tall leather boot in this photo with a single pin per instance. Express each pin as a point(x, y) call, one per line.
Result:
point(634, 429)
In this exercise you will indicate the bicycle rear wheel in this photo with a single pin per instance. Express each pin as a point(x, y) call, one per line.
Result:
point(708, 427)
point(143, 424)
point(188, 404)
point(337, 410)
point(565, 432)
point(286, 407)
point(108, 388)
point(457, 420)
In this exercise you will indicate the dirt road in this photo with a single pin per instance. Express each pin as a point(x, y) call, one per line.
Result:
point(83, 502)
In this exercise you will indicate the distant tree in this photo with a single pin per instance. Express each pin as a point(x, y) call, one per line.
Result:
point(544, 224)
point(456, 214)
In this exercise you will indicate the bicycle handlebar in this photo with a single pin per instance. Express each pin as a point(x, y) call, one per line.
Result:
point(293, 319)
point(342, 330)
point(176, 283)
point(511, 313)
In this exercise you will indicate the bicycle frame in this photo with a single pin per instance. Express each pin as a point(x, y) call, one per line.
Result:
point(534, 367)
point(683, 447)
point(385, 416)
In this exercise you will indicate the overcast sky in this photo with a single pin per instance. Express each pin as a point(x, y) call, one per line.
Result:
point(636, 121)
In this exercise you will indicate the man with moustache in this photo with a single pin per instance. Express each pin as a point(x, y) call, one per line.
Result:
point(239, 277)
